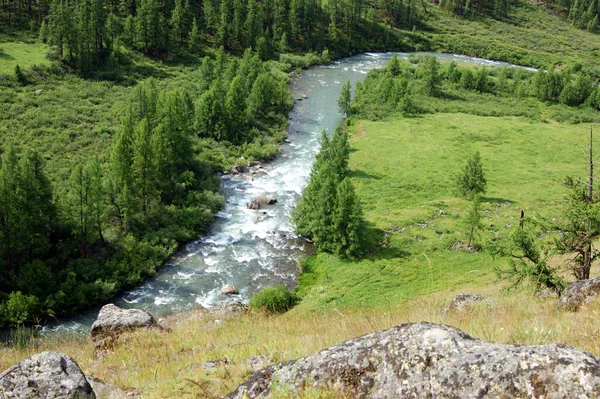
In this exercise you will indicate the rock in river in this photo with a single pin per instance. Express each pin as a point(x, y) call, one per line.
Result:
point(428, 360)
point(229, 290)
point(45, 375)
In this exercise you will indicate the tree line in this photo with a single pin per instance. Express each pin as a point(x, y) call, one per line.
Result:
point(87, 33)
point(401, 85)
point(67, 245)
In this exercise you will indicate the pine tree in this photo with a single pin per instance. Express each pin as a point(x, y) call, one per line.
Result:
point(347, 221)
point(79, 187)
point(194, 39)
point(209, 113)
point(120, 185)
point(431, 76)
point(345, 99)
point(180, 20)
point(144, 178)
point(394, 66)
point(471, 181)
point(235, 109)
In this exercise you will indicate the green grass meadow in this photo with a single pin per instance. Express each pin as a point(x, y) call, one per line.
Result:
point(404, 171)
point(23, 54)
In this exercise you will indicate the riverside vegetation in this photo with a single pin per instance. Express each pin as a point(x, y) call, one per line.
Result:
point(411, 128)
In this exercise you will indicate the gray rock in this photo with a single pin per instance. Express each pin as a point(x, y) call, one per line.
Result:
point(465, 302)
point(45, 375)
point(254, 205)
point(105, 390)
point(258, 362)
point(425, 360)
point(112, 321)
point(237, 169)
point(579, 293)
point(229, 290)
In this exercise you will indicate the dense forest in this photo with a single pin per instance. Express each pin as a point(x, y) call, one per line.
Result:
point(86, 34)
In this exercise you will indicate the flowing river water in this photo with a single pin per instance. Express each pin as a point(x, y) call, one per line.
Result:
point(247, 248)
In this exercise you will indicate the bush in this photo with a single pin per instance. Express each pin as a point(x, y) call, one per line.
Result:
point(274, 300)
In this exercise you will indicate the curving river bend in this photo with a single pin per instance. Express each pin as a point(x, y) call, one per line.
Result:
point(244, 247)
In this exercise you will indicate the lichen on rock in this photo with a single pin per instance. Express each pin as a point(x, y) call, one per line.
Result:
point(429, 360)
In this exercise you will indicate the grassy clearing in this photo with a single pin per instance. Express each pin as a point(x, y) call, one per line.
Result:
point(404, 171)
point(24, 54)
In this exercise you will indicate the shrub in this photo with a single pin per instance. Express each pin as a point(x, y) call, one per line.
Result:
point(274, 299)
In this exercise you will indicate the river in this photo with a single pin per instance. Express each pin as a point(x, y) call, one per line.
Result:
point(244, 247)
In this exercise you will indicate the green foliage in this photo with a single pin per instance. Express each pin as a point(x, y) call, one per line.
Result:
point(20, 308)
point(526, 262)
point(471, 181)
point(345, 99)
point(431, 76)
point(277, 299)
point(579, 228)
point(19, 76)
point(329, 211)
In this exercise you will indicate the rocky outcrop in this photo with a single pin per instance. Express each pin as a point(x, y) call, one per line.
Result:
point(229, 290)
point(465, 302)
point(112, 321)
point(428, 360)
point(45, 375)
point(579, 293)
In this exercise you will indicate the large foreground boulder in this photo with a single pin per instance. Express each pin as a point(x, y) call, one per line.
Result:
point(426, 360)
point(45, 375)
point(579, 293)
point(112, 321)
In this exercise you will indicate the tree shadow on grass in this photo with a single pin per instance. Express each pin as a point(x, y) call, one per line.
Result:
point(361, 174)
point(377, 246)
point(5, 57)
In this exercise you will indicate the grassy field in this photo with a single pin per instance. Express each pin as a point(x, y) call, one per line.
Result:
point(404, 171)
point(24, 54)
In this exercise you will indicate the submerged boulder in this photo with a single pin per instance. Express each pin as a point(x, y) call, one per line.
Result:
point(112, 321)
point(45, 375)
point(579, 293)
point(429, 360)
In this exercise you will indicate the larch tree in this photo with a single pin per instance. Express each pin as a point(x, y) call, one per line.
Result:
point(345, 99)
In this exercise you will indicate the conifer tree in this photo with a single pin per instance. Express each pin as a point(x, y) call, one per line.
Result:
point(345, 99)
point(143, 164)
point(471, 181)
point(235, 109)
